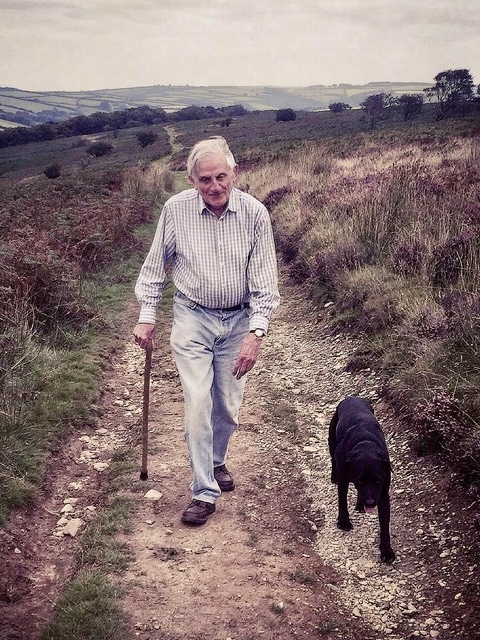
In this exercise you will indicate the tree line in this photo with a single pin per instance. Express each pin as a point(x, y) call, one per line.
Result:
point(453, 93)
point(100, 122)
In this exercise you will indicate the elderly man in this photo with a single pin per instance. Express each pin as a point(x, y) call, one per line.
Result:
point(220, 243)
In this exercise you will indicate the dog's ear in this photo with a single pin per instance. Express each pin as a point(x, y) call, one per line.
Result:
point(352, 456)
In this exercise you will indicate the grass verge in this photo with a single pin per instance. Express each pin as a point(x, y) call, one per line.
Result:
point(88, 611)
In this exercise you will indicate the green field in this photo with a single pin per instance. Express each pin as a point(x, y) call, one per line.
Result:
point(61, 105)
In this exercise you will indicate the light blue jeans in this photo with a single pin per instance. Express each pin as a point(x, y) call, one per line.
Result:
point(205, 345)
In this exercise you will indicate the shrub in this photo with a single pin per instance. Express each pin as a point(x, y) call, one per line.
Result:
point(338, 107)
point(53, 170)
point(408, 257)
point(368, 304)
point(448, 260)
point(146, 138)
point(286, 115)
point(98, 149)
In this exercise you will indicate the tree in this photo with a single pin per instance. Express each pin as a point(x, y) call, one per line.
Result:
point(338, 107)
point(286, 115)
point(146, 138)
point(99, 148)
point(411, 104)
point(375, 106)
point(453, 90)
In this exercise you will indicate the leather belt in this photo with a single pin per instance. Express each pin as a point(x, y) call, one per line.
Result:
point(237, 307)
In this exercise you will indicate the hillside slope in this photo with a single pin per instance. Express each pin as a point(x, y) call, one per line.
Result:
point(28, 108)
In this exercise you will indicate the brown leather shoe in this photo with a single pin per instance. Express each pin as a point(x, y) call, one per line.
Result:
point(224, 478)
point(197, 512)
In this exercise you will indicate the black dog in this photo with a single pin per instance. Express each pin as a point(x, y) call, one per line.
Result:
point(359, 455)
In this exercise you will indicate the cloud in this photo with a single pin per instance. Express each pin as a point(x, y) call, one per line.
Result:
point(67, 44)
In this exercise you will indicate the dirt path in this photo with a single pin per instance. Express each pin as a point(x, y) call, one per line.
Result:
point(270, 563)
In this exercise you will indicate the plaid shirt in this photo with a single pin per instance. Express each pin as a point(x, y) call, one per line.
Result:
point(217, 262)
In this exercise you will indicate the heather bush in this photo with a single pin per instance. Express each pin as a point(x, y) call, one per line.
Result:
point(58, 238)
point(391, 233)
point(408, 257)
point(42, 283)
point(100, 148)
point(366, 304)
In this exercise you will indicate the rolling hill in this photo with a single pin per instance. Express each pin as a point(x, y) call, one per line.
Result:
point(19, 107)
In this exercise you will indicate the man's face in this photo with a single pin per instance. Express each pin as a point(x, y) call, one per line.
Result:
point(214, 180)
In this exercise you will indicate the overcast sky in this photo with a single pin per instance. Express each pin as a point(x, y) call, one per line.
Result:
point(97, 44)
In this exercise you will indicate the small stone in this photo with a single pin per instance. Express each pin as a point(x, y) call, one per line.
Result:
point(101, 432)
point(153, 495)
point(70, 501)
point(68, 508)
point(310, 449)
point(73, 527)
point(17, 550)
point(101, 466)
point(62, 522)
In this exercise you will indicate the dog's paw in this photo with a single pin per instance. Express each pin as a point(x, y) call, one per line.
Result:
point(345, 525)
point(359, 507)
point(387, 555)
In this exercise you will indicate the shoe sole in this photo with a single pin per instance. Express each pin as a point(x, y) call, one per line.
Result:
point(194, 522)
point(191, 519)
point(227, 487)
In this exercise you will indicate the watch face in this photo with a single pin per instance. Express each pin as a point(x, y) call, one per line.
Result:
point(259, 333)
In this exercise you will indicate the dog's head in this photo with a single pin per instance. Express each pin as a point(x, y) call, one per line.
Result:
point(368, 472)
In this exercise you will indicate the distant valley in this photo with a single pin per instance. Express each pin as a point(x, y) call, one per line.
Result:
point(27, 108)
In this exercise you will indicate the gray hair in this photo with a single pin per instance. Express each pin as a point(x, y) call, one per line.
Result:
point(213, 145)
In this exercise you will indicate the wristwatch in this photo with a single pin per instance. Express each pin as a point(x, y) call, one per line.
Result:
point(259, 333)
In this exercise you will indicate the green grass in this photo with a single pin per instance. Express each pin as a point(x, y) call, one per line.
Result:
point(99, 548)
point(87, 610)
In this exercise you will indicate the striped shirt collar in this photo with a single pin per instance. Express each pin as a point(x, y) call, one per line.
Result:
point(232, 203)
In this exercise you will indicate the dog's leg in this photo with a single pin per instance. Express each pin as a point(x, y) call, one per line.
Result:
point(332, 445)
point(343, 521)
point(386, 552)
point(359, 506)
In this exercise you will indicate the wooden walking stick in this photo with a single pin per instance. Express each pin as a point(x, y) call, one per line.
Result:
point(146, 401)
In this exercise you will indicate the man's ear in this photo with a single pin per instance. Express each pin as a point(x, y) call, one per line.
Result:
point(235, 171)
point(191, 179)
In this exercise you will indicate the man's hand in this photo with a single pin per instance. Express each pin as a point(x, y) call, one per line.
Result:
point(143, 333)
point(248, 355)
